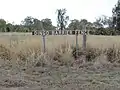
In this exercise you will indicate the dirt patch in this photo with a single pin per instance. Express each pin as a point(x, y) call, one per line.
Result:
point(63, 78)
point(13, 83)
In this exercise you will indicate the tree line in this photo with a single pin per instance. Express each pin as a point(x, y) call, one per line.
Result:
point(103, 25)
point(29, 24)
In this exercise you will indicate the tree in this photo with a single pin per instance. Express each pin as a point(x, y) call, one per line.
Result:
point(28, 22)
point(116, 16)
point(83, 23)
point(105, 21)
point(2, 25)
point(37, 24)
point(108, 22)
point(74, 24)
point(89, 26)
point(9, 27)
point(97, 23)
point(47, 24)
point(62, 18)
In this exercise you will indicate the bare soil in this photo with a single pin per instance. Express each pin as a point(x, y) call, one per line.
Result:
point(84, 77)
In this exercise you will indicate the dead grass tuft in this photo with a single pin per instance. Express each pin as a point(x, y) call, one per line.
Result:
point(27, 51)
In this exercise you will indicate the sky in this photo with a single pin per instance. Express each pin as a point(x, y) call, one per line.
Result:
point(16, 10)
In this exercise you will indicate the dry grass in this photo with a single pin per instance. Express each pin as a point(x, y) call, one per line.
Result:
point(24, 51)
point(21, 47)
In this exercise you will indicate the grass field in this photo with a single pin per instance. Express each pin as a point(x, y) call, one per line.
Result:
point(24, 66)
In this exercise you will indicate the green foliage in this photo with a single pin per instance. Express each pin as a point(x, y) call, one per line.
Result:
point(37, 24)
point(2, 25)
point(74, 24)
point(116, 16)
point(102, 26)
point(104, 31)
point(62, 19)
point(27, 25)
point(47, 24)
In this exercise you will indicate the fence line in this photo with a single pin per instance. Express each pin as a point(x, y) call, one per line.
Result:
point(44, 33)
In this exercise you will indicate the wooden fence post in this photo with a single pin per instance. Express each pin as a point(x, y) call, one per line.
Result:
point(43, 35)
point(44, 45)
point(84, 43)
point(77, 46)
point(84, 40)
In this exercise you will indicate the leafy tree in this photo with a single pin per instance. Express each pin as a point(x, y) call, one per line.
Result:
point(83, 23)
point(28, 22)
point(37, 24)
point(89, 25)
point(74, 24)
point(62, 19)
point(9, 27)
point(47, 24)
point(116, 16)
point(20, 28)
point(105, 21)
point(2, 25)
point(109, 22)
point(97, 23)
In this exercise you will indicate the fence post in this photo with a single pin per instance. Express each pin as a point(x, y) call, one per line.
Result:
point(44, 45)
point(43, 35)
point(77, 46)
point(84, 43)
point(84, 40)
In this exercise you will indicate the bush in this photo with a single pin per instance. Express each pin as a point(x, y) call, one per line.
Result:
point(63, 55)
point(104, 31)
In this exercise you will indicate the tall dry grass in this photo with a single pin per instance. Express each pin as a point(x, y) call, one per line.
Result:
point(25, 50)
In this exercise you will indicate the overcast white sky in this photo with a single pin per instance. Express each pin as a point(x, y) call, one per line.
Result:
point(17, 10)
